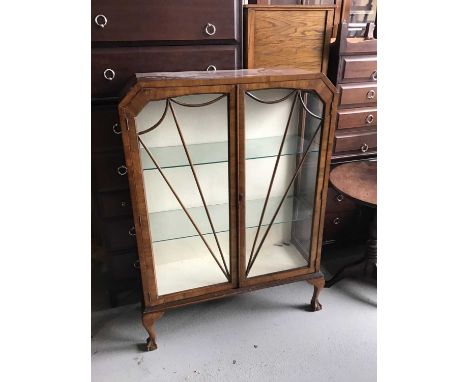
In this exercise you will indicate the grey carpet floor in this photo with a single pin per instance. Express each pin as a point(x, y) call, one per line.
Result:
point(266, 335)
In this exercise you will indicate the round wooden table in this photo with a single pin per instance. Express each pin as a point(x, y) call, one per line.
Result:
point(358, 181)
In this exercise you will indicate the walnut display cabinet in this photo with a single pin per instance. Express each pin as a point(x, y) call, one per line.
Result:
point(228, 174)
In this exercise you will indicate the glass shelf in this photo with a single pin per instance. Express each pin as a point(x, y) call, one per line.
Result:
point(174, 224)
point(217, 152)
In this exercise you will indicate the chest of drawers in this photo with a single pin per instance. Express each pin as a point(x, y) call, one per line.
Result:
point(353, 68)
point(355, 74)
point(131, 36)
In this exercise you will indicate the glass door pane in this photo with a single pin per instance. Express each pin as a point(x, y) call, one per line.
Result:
point(282, 137)
point(184, 157)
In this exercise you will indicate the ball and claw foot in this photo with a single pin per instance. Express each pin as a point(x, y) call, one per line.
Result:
point(315, 305)
point(318, 284)
point(150, 344)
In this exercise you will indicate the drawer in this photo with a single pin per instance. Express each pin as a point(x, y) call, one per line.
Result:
point(349, 118)
point(105, 128)
point(163, 20)
point(114, 204)
point(338, 224)
point(358, 94)
point(337, 202)
point(358, 68)
point(125, 266)
point(112, 68)
point(109, 171)
point(356, 140)
point(119, 234)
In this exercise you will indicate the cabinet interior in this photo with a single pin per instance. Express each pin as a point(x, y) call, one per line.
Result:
point(283, 240)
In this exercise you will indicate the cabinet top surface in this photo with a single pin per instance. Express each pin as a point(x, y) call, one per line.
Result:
point(224, 74)
point(163, 79)
point(146, 81)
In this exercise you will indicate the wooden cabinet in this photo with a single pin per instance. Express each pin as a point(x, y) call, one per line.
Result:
point(353, 68)
point(228, 174)
point(288, 36)
point(131, 36)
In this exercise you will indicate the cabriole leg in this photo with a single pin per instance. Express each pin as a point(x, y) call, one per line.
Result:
point(148, 322)
point(318, 286)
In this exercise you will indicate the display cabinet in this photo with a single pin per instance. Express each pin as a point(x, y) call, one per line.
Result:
point(228, 174)
point(353, 69)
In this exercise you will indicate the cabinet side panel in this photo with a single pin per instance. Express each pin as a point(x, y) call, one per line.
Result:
point(132, 158)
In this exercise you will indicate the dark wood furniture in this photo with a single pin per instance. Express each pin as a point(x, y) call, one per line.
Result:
point(228, 173)
point(130, 36)
point(353, 68)
point(288, 36)
point(358, 181)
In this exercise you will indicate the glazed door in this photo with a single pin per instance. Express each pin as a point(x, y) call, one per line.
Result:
point(180, 147)
point(280, 162)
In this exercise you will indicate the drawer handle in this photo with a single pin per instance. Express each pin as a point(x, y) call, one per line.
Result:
point(370, 119)
point(210, 29)
point(101, 20)
point(115, 129)
point(136, 264)
point(374, 76)
point(364, 148)
point(122, 170)
point(336, 221)
point(211, 68)
point(123, 204)
point(132, 231)
point(371, 94)
point(340, 197)
point(109, 74)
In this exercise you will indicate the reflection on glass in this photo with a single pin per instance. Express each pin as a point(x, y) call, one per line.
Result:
point(280, 188)
point(184, 158)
